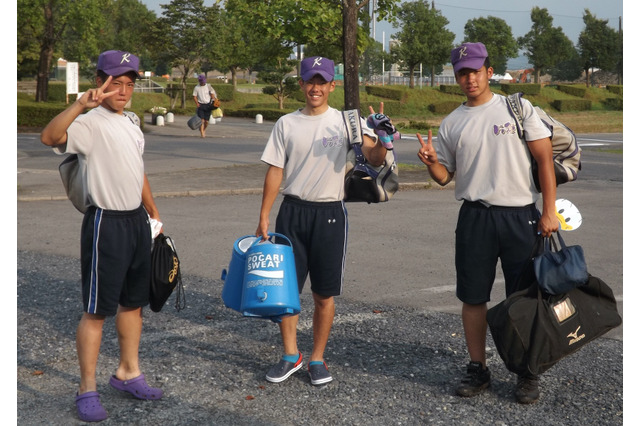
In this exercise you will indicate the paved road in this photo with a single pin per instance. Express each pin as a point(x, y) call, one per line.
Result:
point(400, 264)
point(419, 232)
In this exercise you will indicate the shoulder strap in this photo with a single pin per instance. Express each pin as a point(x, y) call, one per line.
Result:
point(354, 132)
point(354, 126)
point(515, 107)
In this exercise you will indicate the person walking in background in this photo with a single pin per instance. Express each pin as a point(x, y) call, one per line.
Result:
point(115, 235)
point(308, 150)
point(498, 219)
point(203, 95)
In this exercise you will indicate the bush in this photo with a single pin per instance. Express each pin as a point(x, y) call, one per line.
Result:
point(224, 91)
point(39, 114)
point(615, 88)
point(445, 107)
point(571, 104)
point(452, 89)
point(57, 91)
point(613, 103)
point(525, 88)
point(413, 125)
point(385, 92)
point(573, 89)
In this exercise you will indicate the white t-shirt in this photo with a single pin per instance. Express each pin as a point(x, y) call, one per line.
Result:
point(312, 150)
point(491, 163)
point(111, 146)
point(203, 93)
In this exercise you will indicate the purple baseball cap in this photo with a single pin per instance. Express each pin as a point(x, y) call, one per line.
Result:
point(317, 65)
point(468, 55)
point(118, 62)
point(202, 78)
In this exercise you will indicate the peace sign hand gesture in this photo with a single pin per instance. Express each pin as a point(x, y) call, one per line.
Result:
point(427, 153)
point(94, 97)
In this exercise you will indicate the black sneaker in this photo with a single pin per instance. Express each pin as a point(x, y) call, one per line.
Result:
point(319, 374)
point(283, 369)
point(475, 381)
point(527, 391)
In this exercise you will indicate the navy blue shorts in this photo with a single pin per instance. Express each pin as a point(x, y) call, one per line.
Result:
point(204, 111)
point(116, 260)
point(486, 234)
point(318, 234)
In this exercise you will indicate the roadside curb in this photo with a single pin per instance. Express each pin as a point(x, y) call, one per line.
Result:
point(217, 192)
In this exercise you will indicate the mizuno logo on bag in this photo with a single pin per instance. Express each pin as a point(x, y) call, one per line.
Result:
point(574, 336)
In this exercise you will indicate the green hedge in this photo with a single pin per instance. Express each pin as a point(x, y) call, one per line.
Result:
point(32, 114)
point(615, 88)
point(573, 89)
point(525, 88)
point(571, 105)
point(272, 114)
point(224, 91)
point(385, 92)
point(452, 89)
point(57, 92)
point(444, 107)
point(613, 103)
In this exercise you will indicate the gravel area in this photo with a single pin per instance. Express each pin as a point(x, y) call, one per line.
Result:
point(391, 365)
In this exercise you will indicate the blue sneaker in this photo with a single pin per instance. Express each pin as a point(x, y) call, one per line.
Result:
point(319, 374)
point(283, 369)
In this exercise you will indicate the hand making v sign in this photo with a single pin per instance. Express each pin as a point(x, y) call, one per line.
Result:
point(427, 153)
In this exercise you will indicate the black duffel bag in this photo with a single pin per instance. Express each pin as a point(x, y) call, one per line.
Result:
point(533, 330)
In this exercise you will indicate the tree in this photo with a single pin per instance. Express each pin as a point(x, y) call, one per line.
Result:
point(423, 38)
point(281, 87)
point(374, 57)
point(244, 43)
point(180, 38)
point(321, 23)
point(77, 30)
point(568, 68)
point(538, 40)
point(350, 28)
point(496, 36)
point(42, 24)
point(599, 45)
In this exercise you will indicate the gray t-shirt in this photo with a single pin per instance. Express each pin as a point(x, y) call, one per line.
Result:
point(111, 147)
point(491, 163)
point(312, 150)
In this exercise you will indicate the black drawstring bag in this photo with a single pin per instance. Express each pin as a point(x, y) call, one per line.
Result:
point(165, 274)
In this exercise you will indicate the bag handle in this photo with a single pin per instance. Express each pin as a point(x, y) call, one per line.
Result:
point(550, 242)
point(270, 239)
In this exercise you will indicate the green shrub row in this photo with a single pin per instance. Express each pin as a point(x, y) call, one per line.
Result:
point(30, 114)
point(444, 107)
point(385, 92)
point(571, 105)
point(57, 92)
point(525, 88)
point(573, 89)
point(417, 125)
point(615, 88)
point(224, 91)
point(452, 89)
point(613, 103)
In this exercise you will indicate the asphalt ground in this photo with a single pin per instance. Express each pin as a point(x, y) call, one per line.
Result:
point(397, 347)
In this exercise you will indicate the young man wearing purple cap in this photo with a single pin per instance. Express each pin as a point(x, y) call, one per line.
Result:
point(115, 236)
point(203, 94)
point(307, 153)
point(498, 219)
